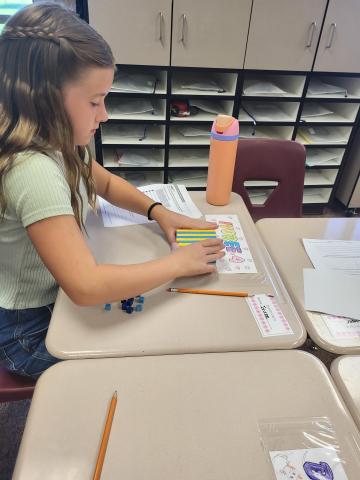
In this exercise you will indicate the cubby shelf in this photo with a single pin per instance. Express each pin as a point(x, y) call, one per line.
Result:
point(145, 140)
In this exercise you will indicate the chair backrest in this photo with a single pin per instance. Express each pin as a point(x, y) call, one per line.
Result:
point(14, 387)
point(282, 161)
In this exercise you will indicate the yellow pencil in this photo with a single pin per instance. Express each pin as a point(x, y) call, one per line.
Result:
point(105, 437)
point(209, 292)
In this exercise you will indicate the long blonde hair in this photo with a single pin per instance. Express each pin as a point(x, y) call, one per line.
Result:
point(42, 47)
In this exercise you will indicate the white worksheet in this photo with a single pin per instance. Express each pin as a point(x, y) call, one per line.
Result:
point(332, 292)
point(340, 255)
point(172, 196)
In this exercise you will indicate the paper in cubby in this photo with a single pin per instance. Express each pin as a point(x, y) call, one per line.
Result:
point(134, 82)
point(180, 176)
point(313, 109)
point(264, 111)
point(188, 131)
point(321, 156)
point(318, 87)
point(138, 158)
point(131, 106)
point(262, 87)
point(189, 157)
point(208, 106)
point(126, 132)
point(202, 84)
point(321, 135)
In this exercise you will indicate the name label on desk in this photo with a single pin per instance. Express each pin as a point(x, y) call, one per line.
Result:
point(341, 327)
point(268, 316)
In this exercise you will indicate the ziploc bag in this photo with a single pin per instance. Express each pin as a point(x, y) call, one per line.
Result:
point(308, 449)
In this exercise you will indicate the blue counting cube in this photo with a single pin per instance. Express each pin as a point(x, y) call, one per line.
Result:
point(138, 307)
point(140, 299)
point(129, 309)
point(107, 307)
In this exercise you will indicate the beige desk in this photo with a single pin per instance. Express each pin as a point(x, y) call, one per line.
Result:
point(178, 416)
point(172, 323)
point(345, 371)
point(283, 239)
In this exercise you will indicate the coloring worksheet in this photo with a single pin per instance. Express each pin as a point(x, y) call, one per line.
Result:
point(238, 258)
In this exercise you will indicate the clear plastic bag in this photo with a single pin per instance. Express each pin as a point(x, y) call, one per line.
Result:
point(308, 448)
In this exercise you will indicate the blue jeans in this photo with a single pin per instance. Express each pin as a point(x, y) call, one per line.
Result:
point(22, 340)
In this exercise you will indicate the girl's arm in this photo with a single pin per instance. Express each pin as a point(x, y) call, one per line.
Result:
point(121, 193)
point(61, 246)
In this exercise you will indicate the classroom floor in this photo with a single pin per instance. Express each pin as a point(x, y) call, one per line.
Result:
point(13, 415)
point(12, 422)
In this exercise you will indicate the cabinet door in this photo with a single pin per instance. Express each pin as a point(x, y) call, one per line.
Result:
point(210, 33)
point(339, 44)
point(138, 31)
point(284, 34)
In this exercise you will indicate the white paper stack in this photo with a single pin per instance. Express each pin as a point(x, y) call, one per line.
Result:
point(255, 87)
point(134, 83)
point(333, 286)
point(318, 87)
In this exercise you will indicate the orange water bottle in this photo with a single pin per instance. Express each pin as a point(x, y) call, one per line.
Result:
point(223, 146)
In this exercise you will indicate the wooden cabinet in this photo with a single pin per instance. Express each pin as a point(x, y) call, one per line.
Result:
point(209, 33)
point(274, 93)
point(204, 33)
point(138, 31)
point(339, 44)
point(284, 34)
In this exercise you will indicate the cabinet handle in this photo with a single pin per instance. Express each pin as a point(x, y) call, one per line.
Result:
point(161, 23)
point(182, 31)
point(331, 36)
point(311, 34)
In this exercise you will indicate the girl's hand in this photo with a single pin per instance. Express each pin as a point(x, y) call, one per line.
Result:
point(196, 259)
point(170, 221)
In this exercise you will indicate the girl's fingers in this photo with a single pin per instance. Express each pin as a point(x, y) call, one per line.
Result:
point(213, 242)
point(171, 237)
point(214, 256)
point(210, 268)
point(210, 224)
point(202, 224)
point(211, 250)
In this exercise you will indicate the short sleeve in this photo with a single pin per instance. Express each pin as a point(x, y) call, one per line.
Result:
point(36, 188)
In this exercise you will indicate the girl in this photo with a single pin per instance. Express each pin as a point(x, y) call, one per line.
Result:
point(55, 72)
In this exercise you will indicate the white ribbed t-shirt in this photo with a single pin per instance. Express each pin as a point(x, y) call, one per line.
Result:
point(35, 188)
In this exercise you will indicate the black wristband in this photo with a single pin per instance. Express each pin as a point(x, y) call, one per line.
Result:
point(150, 208)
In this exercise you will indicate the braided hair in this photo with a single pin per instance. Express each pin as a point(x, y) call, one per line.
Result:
point(42, 47)
point(35, 32)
